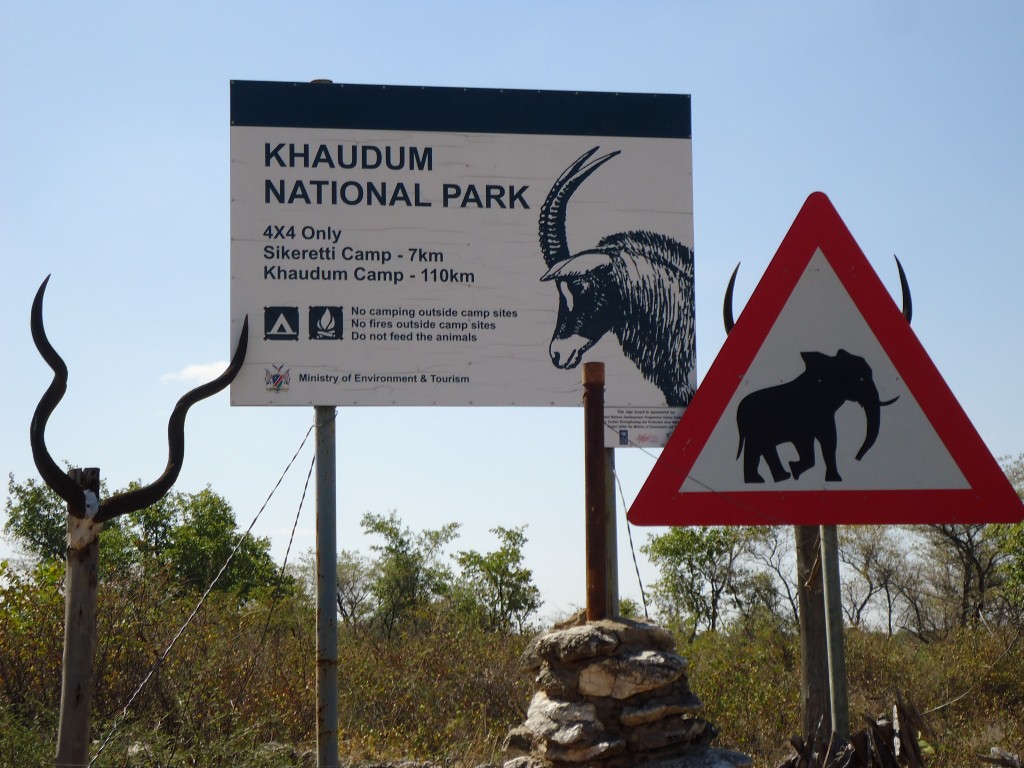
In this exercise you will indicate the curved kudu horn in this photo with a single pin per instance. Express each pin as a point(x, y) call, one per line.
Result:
point(908, 305)
point(139, 498)
point(727, 316)
point(53, 475)
point(727, 304)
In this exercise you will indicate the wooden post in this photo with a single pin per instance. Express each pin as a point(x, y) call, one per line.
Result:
point(814, 689)
point(594, 478)
point(83, 558)
point(840, 706)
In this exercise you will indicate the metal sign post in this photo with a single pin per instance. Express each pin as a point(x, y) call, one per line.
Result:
point(326, 589)
point(388, 236)
point(838, 697)
point(326, 582)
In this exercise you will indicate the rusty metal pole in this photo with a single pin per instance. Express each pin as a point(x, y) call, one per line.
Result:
point(596, 496)
point(83, 559)
point(612, 537)
point(326, 590)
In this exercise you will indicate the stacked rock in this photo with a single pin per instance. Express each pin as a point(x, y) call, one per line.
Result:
point(613, 694)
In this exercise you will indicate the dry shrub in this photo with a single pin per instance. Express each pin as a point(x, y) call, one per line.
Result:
point(239, 686)
point(970, 686)
point(444, 690)
point(31, 636)
point(749, 681)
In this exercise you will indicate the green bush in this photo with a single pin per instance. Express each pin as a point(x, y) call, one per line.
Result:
point(27, 739)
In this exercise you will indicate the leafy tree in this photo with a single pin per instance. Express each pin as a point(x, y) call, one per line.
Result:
point(354, 598)
point(704, 574)
point(875, 555)
point(1010, 542)
point(964, 570)
point(934, 579)
point(203, 538)
point(410, 571)
point(37, 522)
point(31, 614)
point(755, 594)
point(355, 589)
point(976, 567)
point(495, 588)
point(190, 534)
point(771, 549)
point(631, 609)
point(36, 519)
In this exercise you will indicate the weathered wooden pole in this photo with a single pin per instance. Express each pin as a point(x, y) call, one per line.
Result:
point(814, 689)
point(83, 557)
point(595, 491)
point(80, 490)
point(839, 700)
point(326, 589)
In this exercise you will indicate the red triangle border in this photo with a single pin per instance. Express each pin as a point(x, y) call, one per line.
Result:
point(990, 497)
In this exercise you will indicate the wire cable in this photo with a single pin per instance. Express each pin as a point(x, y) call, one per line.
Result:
point(277, 590)
point(632, 548)
point(167, 650)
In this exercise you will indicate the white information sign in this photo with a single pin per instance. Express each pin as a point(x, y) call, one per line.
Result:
point(441, 246)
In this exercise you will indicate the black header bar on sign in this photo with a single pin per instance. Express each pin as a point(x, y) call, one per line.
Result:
point(463, 110)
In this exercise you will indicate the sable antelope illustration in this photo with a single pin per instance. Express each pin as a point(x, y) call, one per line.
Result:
point(637, 285)
point(803, 411)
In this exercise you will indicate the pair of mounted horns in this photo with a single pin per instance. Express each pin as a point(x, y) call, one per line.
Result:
point(727, 316)
point(61, 481)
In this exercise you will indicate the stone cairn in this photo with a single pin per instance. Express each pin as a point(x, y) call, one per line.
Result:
point(612, 694)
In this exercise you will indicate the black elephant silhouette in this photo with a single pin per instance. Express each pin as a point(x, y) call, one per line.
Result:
point(803, 411)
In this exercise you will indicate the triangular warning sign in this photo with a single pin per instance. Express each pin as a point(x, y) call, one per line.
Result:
point(823, 408)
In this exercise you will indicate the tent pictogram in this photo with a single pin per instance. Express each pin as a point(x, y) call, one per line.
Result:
point(281, 323)
point(823, 408)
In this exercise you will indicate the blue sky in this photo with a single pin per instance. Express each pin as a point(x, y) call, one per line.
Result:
point(114, 139)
